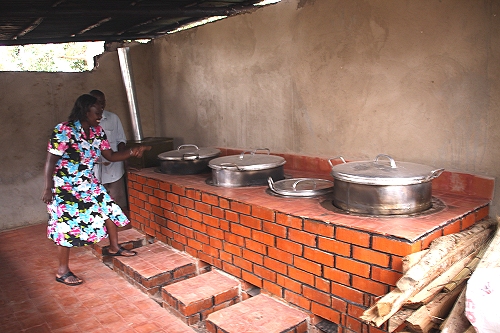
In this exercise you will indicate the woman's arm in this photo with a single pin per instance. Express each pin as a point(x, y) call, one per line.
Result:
point(116, 156)
point(50, 165)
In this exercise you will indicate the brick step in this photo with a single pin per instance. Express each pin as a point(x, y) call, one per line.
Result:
point(259, 314)
point(192, 300)
point(128, 238)
point(155, 265)
point(208, 302)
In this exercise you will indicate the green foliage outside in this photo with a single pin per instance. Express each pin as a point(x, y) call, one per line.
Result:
point(66, 57)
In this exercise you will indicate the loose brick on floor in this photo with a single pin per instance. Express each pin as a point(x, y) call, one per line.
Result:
point(155, 266)
point(192, 300)
point(259, 314)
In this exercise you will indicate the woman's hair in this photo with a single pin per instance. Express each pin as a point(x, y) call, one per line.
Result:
point(81, 107)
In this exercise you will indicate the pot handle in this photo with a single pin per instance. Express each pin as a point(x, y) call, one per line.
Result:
point(334, 158)
point(271, 184)
point(393, 163)
point(266, 149)
point(294, 185)
point(227, 165)
point(252, 152)
point(184, 146)
point(434, 174)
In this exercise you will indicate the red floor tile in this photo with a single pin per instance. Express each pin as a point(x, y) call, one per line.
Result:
point(32, 301)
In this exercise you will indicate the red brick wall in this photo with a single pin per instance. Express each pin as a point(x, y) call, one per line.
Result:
point(331, 271)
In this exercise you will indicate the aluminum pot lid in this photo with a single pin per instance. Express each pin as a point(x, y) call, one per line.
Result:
point(247, 160)
point(188, 152)
point(301, 187)
point(384, 171)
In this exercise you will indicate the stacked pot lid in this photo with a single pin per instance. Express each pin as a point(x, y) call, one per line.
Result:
point(301, 187)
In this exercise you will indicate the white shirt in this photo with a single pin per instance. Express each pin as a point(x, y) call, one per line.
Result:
point(113, 128)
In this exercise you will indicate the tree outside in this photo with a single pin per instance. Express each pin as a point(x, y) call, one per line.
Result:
point(64, 57)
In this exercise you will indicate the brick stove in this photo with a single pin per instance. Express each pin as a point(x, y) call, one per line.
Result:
point(330, 264)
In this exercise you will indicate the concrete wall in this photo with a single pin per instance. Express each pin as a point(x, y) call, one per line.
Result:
point(419, 80)
point(31, 104)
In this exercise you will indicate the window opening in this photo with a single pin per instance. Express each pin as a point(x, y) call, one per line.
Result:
point(63, 57)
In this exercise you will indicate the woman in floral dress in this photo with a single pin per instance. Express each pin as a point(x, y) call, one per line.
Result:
point(81, 212)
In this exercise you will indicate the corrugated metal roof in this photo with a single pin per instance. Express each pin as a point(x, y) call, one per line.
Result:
point(57, 21)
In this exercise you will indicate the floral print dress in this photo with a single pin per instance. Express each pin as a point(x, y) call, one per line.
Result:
point(80, 204)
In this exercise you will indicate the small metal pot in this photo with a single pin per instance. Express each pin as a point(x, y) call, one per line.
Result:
point(187, 160)
point(377, 188)
point(246, 169)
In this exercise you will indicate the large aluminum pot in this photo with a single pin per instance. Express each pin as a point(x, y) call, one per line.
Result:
point(187, 160)
point(383, 187)
point(246, 169)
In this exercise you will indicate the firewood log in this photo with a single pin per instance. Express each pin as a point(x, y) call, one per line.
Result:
point(491, 257)
point(412, 259)
point(392, 302)
point(443, 252)
point(389, 304)
point(385, 307)
point(435, 286)
point(397, 321)
point(424, 319)
point(466, 272)
point(471, 329)
point(456, 322)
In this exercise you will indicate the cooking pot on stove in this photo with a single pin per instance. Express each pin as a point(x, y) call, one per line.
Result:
point(187, 159)
point(246, 169)
point(382, 186)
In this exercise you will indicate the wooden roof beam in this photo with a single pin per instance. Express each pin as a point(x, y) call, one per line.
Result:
point(165, 12)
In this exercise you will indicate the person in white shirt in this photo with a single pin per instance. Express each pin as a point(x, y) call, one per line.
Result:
point(111, 174)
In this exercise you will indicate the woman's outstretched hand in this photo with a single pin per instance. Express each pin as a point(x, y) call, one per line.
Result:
point(138, 150)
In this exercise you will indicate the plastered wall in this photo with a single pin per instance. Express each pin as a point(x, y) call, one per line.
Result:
point(419, 80)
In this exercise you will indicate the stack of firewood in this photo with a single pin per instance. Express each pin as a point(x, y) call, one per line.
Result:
point(430, 296)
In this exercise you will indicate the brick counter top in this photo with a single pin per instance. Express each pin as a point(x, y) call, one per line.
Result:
point(408, 228)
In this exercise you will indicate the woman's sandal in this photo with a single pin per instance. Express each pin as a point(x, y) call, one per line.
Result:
point(119, 253)
point(62, 279)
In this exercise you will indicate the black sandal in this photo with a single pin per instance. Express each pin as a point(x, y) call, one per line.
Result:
point(62, 279)
point(119, 253)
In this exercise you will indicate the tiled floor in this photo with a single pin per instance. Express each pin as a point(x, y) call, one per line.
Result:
point(32, 301)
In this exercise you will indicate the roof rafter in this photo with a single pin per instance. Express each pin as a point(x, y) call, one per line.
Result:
point(193, 12)
point(59, 21)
